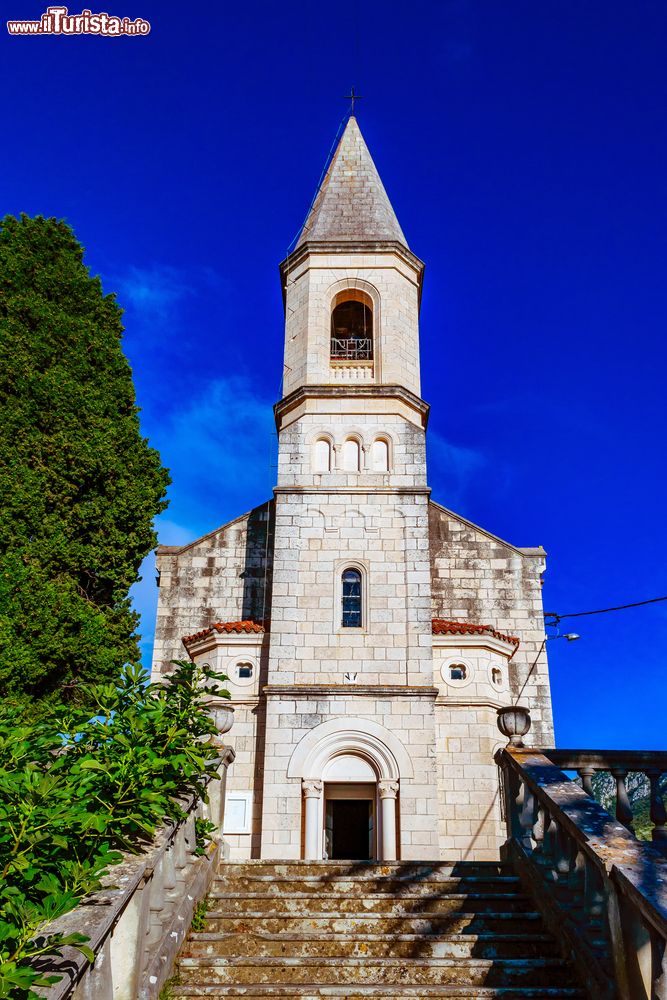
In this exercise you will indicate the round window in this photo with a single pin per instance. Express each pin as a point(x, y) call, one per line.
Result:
point(244, 672)
point(456, 673)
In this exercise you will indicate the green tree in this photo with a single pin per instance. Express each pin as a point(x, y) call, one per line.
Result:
point(79, 485)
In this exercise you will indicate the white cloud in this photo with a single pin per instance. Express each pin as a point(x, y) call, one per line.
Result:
point(171, 533)
point(152, 291)
point(453, 470)
point(220, 448)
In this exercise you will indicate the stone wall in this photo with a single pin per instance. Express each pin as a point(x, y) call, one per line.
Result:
point(476, 577)
point(224, 576)
point(317, 537)
point(291, 715)
point(363, 420)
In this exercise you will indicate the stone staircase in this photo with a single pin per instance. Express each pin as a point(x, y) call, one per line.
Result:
point(353, 930)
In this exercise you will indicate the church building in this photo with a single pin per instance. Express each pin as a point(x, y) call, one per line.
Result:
point(368, 632)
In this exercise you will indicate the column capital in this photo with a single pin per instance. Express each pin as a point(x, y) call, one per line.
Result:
point(387, 788)
point(311, 788)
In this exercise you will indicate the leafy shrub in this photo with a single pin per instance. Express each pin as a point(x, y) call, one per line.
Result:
point(199, 917)
point(75, 791)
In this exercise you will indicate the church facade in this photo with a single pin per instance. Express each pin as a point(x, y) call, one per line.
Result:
point(369, 634)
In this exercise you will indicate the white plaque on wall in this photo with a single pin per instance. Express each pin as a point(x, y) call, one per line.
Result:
point(238, 812)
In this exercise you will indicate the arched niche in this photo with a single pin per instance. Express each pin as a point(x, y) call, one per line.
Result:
point(352, 326)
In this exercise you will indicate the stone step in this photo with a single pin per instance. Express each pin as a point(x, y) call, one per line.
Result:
point(301, 904)
point(264, 944)
point(355, 930)
point(362, 869)
point(313, 992)
point(350, 885)
point(463, 921)
point(217, 971)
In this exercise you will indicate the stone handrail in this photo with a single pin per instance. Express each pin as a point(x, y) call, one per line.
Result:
point(601, 891)
point(136, 926)
point(620, 763)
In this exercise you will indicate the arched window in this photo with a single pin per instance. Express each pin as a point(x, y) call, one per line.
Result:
point(352, 327)
point(497, 676)
point(351, 455)
point(380, 455)
point(351, 599)
point(322, 456)
point(245, 671)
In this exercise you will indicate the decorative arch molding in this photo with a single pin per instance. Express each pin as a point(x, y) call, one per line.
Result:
point(322, 435)
point(377, 745)
point(386, 439)
point(353, 285)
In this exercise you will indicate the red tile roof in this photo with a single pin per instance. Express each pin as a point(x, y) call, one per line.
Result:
point(225, 628)
point(440, 627)
point(443, 627)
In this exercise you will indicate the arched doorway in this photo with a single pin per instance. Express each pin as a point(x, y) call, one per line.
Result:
point(350, 809)
point(350, 772)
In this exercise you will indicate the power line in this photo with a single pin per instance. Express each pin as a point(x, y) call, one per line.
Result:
point(602, 611)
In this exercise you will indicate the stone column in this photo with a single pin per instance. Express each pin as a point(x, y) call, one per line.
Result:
point(312, 792)
point(388, 791)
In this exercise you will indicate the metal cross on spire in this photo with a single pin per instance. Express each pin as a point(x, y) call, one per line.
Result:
point(352, 97)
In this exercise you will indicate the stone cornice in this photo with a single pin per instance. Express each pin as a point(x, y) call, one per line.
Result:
point(447, 701)
point(227, 639)
point(354, 690)
point(479, 641)
point(356, 490)
point(311, 247)
point(304, 392)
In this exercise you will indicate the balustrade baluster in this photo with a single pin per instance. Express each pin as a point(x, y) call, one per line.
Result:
point(538, 829)
point(623, 807)
point(156, 902)
point(586, 775)
point(637, 950)
point(527, 817)
point(563, 854)
point(659, 968)
point(190, 836)
point(594, 894)
point(548, 851)
point(98, 984)
point(128, 943)
point(578, 878)
point(180, 850)
point(169, 876)
point(658, 812)
point(513, 801)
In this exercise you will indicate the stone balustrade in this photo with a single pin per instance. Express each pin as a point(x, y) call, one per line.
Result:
point(136, 926)
point(602, 891)
point(620, 763)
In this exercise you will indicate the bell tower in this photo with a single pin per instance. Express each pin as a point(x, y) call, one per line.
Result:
point(350, 655)
point(352, 286)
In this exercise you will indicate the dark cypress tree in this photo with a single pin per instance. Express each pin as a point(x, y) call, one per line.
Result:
point(79, 485)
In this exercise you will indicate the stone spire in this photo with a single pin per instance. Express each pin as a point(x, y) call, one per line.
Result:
point(351, 204)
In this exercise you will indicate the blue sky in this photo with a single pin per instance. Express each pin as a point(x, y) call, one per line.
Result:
point(523, 147)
